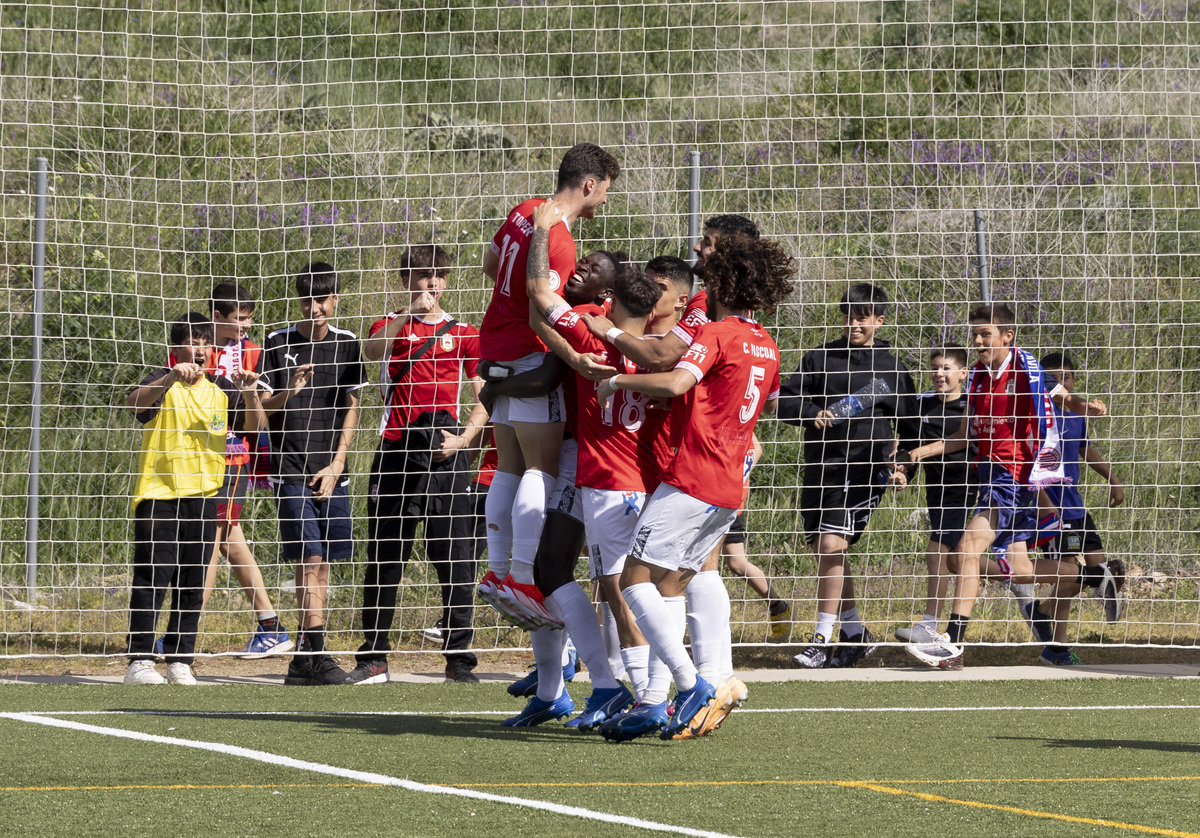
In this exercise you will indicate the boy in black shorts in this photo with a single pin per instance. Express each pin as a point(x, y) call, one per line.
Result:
point(846, 458)
point(314, 371)
point(950, 488)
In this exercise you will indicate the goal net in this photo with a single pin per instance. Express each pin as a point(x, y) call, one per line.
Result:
point(187, 145)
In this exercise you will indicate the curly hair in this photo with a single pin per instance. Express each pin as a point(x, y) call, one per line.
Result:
point(747, 274)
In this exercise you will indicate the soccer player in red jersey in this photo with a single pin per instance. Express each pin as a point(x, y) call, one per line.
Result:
point(616, 464)
point(708, 605)
point(1011, 418)
point(528, 432)
point(728, 377)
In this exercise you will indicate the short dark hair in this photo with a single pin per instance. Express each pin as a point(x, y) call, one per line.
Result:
point(637, 292)
point(998, 314)
point(191, 326)
point(229, 297)
point(584, 161)
point(1058, 361)
point(424, 257)
point(317, 280)
point(862, 299)
point(728, 225)
point(617, 258)
point(956, 352)
point(675, 270)
point(746, 274)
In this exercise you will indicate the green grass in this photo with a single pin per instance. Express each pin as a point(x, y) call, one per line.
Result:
point(761, 774)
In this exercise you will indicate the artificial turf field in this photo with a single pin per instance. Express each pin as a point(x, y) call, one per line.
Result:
point(826, 759)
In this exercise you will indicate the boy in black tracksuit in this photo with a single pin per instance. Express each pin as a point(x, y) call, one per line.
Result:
point(846, 459)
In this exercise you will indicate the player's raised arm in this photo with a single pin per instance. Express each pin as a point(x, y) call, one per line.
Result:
point(659, 355)
point(542, 299)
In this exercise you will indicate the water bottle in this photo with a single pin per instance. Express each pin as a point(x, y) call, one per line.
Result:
point(859, 400)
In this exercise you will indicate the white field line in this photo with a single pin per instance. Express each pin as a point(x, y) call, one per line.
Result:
point(361, 776)
point(740, 711)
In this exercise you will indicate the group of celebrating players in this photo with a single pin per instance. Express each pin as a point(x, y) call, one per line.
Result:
point(622, 410)
point(638, 454)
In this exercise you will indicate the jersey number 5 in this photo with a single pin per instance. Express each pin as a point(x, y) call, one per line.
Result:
point(753, 394)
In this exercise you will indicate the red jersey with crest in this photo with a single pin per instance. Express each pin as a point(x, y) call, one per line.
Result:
point(1004, 417)
point(505, 334)
point(694, 316)
point(434, 381)
point(617, 441)
point(736, 365)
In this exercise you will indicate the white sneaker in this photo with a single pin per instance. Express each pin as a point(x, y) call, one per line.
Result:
point(941, 654)
point(142, 672)
point(180, 673)
point(920, 633)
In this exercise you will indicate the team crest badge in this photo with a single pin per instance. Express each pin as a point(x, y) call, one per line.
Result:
point(217, 423)
point(447, 342)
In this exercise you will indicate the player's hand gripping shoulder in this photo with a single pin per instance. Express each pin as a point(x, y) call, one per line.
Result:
point(547, 215)
point(598, 324)
point(592, 367)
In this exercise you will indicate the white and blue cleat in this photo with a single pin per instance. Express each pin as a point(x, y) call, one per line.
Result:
point(538, 711)
point(601, 706)
point(687, 704)
point(642, 720)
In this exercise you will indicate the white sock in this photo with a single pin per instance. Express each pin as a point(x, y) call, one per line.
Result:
point(850, 622)
point(637, 663)
point(528, 518)
point(497, 509)
point(930, 621)
point(708, 614)
point(825, 624)
point(1023, 593)
point(663, 622)
point(658, 681)
point(547, 654)
point(580, 619)
point(612, 642)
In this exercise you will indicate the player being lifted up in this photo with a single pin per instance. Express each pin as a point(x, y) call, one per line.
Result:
point(616, 461)
point(727, 378)
point(528, 432)
point(1011, 418)
point(708, 606)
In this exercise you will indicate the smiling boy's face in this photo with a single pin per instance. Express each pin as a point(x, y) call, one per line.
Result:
point(992, 342)
point(859, 327)
point(235, 326)
point(946, 375)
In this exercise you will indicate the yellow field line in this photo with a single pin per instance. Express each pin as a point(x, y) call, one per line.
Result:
point(196, 787)
point(707, 783)
point(975, 804)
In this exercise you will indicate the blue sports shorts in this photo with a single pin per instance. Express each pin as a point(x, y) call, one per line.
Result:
point(311, 527)
point(1015, 504)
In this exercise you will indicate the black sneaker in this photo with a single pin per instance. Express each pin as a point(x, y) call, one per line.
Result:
point(368, 672)
point(846, 656)
point(460, 671)
point(325, 672)
point(299, 673)
point(815, 655)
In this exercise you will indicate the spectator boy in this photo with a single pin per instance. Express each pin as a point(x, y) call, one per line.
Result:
point(421, 472)
point(845, 459)
point(186, 413)
point(314, 371)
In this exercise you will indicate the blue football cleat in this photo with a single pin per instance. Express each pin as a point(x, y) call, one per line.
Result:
point(641, 720)
point(601, 706)
point(526, 686)
point(687, 704)
point(538, 711)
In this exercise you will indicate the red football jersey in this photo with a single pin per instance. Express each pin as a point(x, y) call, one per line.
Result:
point(505, 333)
point(1003, 417)
point(434, 381)
point(736, 365)
point(617, 441)
point(693, 317)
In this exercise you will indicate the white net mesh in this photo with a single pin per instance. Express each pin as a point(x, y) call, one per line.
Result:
point(190, 145)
